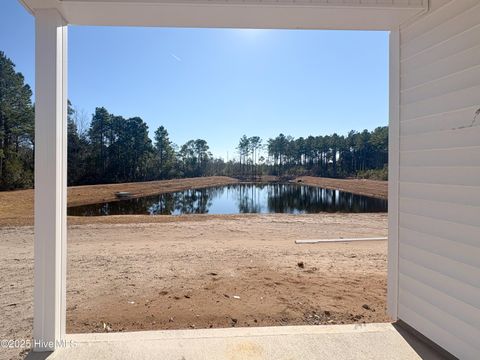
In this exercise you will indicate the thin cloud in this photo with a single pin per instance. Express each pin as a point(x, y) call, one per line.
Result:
point(176, 57)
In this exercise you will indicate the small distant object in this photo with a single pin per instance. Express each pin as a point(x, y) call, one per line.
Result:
point(339, 240)
point(301, 264)
point(176, 57)
point(123, 195)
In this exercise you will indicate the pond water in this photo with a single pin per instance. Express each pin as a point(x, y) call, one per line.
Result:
point(239, 198)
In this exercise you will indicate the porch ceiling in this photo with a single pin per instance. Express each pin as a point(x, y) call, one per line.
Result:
point(283, 14)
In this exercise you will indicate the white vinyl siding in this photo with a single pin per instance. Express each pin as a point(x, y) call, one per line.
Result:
point(439, 176)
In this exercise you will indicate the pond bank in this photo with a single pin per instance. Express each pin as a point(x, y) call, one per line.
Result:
point(16, 207)
point(374, 188)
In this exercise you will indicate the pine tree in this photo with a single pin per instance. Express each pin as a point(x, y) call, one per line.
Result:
point(16, 128)
point(164, 152)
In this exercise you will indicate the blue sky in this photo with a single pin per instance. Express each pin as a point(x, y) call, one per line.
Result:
point(219, 84)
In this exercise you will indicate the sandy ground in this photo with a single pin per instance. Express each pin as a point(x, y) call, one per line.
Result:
point(204, 271)
point(16, 207)
point(373, 188)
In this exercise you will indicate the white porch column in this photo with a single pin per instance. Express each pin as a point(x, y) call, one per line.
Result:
point(50, 179)
point(393, 175)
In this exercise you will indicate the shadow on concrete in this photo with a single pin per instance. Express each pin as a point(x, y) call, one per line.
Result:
point(38, 355)
point(424, 347)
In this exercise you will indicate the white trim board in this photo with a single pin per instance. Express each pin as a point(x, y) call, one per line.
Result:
point(265, 14)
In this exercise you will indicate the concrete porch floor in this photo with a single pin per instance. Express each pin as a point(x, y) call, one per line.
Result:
point(370, 341)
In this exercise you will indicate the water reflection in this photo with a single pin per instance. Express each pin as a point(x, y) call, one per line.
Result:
point(239, 198)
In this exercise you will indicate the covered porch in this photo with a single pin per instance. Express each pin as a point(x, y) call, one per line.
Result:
point(433, 178)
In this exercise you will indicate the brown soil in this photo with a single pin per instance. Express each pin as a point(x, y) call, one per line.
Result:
point(188, 271)
point(373, 188)
point(16, 207)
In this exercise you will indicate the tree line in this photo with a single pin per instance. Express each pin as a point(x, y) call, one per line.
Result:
point(110, 148)
point(332, 155)
point(115, 149)
point(359, 154)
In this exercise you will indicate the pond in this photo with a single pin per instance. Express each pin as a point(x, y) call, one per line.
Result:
point(239, 198)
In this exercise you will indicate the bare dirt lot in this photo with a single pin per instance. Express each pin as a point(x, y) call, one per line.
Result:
point(205, 271)
point(197, 271)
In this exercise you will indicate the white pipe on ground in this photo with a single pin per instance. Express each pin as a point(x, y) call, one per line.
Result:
point(339, 240)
